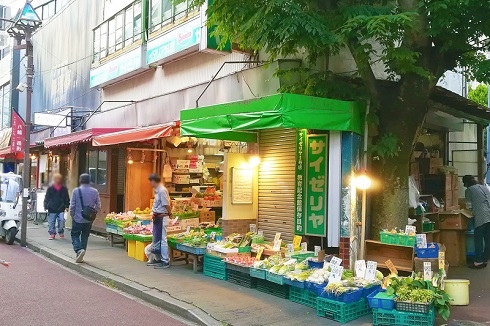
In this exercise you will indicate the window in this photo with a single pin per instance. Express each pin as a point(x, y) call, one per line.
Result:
point(97, 167)
point(5, 106)
point(50, 8)
point(169, 10)
point(119, 31)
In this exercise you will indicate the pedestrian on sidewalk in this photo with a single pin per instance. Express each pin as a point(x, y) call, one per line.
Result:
point(56, 201)
point(84, 206)
point(478, 201)
point(161, 213)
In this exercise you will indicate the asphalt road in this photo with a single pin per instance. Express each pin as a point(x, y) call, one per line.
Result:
point(36, 292)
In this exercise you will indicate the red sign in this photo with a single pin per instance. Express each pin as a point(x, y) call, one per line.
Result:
point(18, 132)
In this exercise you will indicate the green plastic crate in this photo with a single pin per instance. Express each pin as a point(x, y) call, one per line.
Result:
point(340, 311)
point(429, 226)
point(301, 257)
point(274, 278)
point(214, 267)
point(241, 279)
point(389, 238)
point(402, 318)
point(257, 273)
point(238, 268)
point(302, 296)
point(281, 291)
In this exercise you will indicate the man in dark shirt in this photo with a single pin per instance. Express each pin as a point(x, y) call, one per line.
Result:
point(57, 200)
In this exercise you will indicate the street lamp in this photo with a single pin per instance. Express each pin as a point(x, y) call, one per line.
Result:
point(24, 24)
point(363, 182)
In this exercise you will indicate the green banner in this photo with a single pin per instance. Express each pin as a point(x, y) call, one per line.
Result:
point(299, 223)
point(316, 185)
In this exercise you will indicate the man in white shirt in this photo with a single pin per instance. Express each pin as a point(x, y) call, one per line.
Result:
point(10, 190)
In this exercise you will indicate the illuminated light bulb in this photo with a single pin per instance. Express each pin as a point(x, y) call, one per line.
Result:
point(254, 161)
point(363, 181)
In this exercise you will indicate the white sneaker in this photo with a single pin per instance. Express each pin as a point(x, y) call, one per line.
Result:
point(80, 256)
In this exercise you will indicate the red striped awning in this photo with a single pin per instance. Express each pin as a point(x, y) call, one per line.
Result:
point(83, 136)
point(134, 135)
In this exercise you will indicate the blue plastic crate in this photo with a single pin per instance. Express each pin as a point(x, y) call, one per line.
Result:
point(191, 250)
point(346, 297)
point(296, 284)
point(315, 264)
point(400, 318)
point(378, 303)
point(428, 252)
point(367, 291)
point(318, 289)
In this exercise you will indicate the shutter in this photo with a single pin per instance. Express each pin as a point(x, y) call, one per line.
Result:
point(277, 149)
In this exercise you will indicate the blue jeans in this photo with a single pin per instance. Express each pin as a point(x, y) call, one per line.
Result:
point(52, 218)
point(482, 243)
point(164, 243)
point(79, 235)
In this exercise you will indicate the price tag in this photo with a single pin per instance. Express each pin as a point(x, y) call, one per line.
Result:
point(391, 267)
point(360, 268)
point(174, 221)
point(427, 271)
point(371, 271)
point(260, 233)
point(209, 247)
point(304, 247)
point(421, 241)
point(277, 236)
point(335, 261)
point(317, 250)
point(336, 274)
point(253, 228)
point(259, 253)
point(410, 229)
point(277, 245)
point(213, 235)
point(297, 240)
point(25, 193)
point(188, 230)
point(290, 248)
point(442, 260)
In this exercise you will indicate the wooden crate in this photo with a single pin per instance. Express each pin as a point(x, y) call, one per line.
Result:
point(402, 257)
point(209, 217)
point(455, 242)
point(452, 221)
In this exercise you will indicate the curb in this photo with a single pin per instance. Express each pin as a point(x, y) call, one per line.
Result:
point(151, 295)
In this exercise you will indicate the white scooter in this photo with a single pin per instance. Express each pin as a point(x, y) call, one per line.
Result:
point(10, 206)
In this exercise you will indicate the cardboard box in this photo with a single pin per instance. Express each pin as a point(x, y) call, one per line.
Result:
point(181, 179)
point(452, 221)
point(419, 262)
point(455, 242)
point(213, 203)
point(209, 217)
point(192, 222)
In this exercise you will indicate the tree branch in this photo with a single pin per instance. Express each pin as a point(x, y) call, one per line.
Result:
point(365, 69)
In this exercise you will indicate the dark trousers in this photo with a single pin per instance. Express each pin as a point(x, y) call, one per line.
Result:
point(482, 243)
point(157, 234)
point(79, 235)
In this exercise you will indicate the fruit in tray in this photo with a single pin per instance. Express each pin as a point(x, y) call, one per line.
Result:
point(137, 210)
point(139, 229)
point(299, 275)
point(241, 260)
point(121, 216)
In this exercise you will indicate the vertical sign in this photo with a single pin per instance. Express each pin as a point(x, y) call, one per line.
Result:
point(316, 185)
point(18, 131)
point(299, 225)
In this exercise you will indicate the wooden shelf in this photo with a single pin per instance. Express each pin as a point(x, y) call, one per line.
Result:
point(401, 256)
point(435, 231)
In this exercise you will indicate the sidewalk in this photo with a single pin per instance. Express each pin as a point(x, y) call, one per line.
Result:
point(208, 301)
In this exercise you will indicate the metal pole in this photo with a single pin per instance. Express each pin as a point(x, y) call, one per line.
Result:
point(363, 222)
point(26, 175)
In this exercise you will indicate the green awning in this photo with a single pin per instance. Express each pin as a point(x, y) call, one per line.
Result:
point(239, 120)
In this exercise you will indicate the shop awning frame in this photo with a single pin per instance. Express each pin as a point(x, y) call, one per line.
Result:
point(83, 136)
point(134, 135)
point(239, 120)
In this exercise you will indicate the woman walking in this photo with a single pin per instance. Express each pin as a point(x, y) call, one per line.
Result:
point(57, 200)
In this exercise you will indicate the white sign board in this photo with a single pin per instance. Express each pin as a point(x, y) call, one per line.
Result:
point(242, 186)
point(51, 119)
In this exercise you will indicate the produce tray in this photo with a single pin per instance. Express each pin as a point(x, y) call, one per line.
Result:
point(257, 273)
point(303, 297)
point(128, 236)
point(238, 268)
point(278, 279)
point(214, 267)
point(421, 308)
point(172, 242)
point(301, 257)
point(428, 252)
point(379, 303)
point(318, 289)
point(345, 298)
point(241, 279)
point(191, 250)
point(367, 291)
point(401, 318)
point(340, 311)
point(389, 238)
point(208, 231)
point(295, 284)
point(281, 291)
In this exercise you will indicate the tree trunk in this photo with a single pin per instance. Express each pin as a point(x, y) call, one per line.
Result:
point(402, 111)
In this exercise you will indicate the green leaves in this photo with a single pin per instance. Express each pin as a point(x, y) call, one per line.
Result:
point(387, 146)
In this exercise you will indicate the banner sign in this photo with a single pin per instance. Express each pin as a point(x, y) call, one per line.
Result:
point(299, 225)
point(316, 185)
point(18, 132)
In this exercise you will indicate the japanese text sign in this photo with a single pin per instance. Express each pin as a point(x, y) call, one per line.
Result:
point(371, 271)
point(336, 274)
point(18, 133)
point(299, 190)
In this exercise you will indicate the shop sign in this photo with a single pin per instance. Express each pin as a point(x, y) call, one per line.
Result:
point(316, 185)
point(122, 66)
point(299, 224)
point(18, 131)
point(177, 40)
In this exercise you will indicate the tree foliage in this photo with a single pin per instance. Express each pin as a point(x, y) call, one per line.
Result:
point(479, 94)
